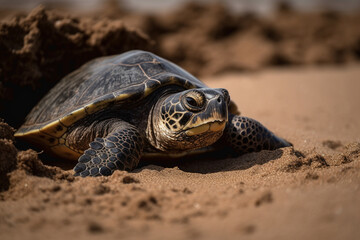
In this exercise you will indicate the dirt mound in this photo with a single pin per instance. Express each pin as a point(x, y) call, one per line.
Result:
point(208, 39)
point(7, 153)
point(22, 163)
point(39, 49)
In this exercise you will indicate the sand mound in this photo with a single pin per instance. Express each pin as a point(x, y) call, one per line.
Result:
point(38, 49)
point(8, 153)
point(208, 39)
point(22, 163)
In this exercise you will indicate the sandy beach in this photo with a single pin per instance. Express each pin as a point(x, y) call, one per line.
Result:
point(308, 191)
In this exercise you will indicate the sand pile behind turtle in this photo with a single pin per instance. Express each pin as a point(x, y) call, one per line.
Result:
point(38, 49)
point(8, 153)
point(22, 163)
point(208, 39)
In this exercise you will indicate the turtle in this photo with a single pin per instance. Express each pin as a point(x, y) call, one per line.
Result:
point(114, 110)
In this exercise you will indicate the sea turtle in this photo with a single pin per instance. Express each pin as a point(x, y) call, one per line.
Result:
point(114, 110)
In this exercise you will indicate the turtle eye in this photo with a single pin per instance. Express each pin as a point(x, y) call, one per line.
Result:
point(194, 101)
point(191, 101)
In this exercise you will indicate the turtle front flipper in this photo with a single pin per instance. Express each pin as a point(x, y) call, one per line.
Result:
point(121, 149)
point(246, 135)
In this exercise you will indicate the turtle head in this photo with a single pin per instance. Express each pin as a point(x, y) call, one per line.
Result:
point(190, 119)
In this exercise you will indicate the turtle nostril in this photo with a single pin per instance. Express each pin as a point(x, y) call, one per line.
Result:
point(219, 100)
point(226, 95)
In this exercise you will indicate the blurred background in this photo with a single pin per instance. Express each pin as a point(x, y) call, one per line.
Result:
point(258, 6)
point(201, 35)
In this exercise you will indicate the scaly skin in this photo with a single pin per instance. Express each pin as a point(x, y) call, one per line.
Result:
point(246, 135)
point(120, 149)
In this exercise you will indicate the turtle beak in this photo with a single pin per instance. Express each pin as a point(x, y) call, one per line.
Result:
point(212, 126)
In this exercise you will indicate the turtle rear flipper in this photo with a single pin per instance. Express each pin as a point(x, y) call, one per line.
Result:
point(246, 135)
point(121, 149)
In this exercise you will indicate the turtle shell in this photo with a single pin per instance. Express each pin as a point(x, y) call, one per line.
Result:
point(124, 78)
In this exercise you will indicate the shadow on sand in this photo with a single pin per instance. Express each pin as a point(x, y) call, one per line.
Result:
point(209, 162)
point(213, 162)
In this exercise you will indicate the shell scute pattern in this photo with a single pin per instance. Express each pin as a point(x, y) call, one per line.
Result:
point(133, 57)
point(55, 129)
point(111, 77)
point(127, 76)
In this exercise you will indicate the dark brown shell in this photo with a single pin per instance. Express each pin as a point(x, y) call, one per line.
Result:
point(130, 76)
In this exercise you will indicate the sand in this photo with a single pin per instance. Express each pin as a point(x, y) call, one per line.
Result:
point(309, 191)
